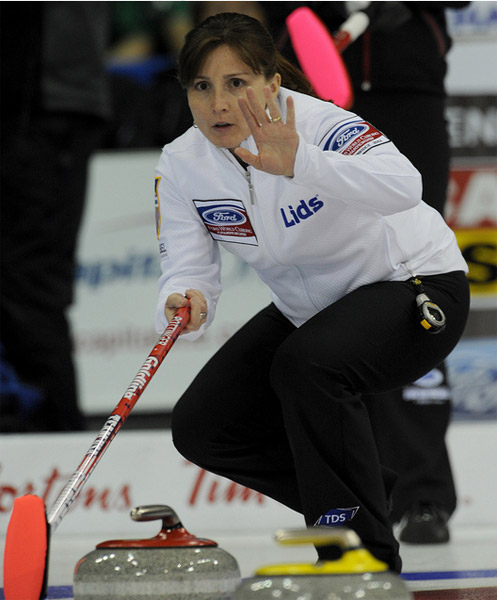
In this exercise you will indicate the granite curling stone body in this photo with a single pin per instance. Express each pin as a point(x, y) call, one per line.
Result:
point(174, 565)
point(357, 574)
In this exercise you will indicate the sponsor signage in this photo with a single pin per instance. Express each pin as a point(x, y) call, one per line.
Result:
point(471, 209)
point(116, 288)
point(472, 126)
point(337, 516)
point(142, 468)
point(354, 137)
point(472, 369)
point(472, 214)
point(476, 21)
point(139, 468)
point(227, 220)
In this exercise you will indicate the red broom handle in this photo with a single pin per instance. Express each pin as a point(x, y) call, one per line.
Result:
point(116, 420)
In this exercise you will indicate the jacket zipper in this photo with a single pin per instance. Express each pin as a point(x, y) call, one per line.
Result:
point(246, 174)
point(250, 187)
point(248, 179)
point(268, 246)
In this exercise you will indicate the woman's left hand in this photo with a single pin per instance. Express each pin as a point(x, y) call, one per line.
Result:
point(277, 142)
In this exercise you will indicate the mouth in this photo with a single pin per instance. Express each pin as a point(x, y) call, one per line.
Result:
point(221, 126)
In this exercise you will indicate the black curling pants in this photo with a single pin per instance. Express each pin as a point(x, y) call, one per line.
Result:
point(416, 124)
point(279, 409)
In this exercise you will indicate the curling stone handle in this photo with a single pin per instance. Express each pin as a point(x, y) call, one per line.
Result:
point(153, 512)
point(345, 538)
point(171, 535)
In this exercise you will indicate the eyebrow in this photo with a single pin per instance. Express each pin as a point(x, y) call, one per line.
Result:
point(225, 76)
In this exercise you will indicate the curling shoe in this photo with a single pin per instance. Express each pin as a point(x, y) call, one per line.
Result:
point(424, 523)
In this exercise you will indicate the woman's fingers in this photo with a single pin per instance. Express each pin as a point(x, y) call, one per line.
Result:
point(256, 108)
point(256, 115)
point(276, 140)
point(198, 306)
point(246, 156)
point(250, 119)
point(274, 111)
point(173, 302)
point(290, 112)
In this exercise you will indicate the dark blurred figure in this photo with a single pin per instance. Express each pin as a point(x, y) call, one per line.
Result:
point(203, 10)
point(55, 107)
point(149, 106)
point(397, 69)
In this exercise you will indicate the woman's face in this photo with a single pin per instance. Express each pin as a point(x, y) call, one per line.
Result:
point(213, 96)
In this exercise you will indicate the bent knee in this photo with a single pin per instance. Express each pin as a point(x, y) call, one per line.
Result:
point(291, 364)
point(188, 431)
point(300, 366)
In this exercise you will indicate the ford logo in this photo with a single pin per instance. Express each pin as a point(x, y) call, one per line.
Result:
point(347, 134)
point(224, 216)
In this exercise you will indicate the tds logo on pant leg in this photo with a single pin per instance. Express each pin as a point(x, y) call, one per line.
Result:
point(337, 516)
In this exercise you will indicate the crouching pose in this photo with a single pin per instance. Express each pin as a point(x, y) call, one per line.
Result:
point(362, 273)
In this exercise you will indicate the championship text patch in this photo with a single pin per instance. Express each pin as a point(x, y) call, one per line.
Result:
point(354, 137)
point(227, 221)
point(337, 516)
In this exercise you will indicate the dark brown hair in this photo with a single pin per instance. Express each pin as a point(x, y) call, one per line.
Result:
point(249, 39)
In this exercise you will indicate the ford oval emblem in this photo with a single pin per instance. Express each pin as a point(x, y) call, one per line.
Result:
point(345, 136)
point(224, 216)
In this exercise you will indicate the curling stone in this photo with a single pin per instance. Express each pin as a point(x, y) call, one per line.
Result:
point(173, 565)
point(356, 574)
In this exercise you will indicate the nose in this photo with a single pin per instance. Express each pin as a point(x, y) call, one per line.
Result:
point(220, 102)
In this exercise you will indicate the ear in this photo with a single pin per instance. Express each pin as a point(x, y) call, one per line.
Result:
point(274, 84)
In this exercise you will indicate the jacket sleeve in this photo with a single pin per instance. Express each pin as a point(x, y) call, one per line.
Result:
point(354, 163)
point(189, 257)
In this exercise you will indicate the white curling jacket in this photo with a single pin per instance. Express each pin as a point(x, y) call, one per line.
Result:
point(351, 215)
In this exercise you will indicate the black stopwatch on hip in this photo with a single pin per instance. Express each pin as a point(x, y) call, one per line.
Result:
point(431, 316)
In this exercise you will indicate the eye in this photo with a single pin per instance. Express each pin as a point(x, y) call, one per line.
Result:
point(201, 86)
point(237, 83)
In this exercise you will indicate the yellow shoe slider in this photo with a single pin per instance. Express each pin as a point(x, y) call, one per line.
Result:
point(355, 558)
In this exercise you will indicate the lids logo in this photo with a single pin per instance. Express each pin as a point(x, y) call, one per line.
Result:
point(302, 211)
point(218, 216)
point(337, 516)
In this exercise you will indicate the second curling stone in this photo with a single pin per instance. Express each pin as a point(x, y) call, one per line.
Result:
point(174, 565)
point(357, 574)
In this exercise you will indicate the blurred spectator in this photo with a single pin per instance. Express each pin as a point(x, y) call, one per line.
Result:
point(202, 10)
point(55, 108)
point(150, 107)
point(397, 69)
point(144, 29)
